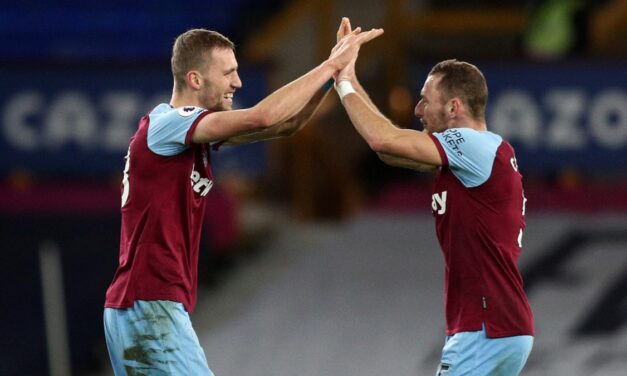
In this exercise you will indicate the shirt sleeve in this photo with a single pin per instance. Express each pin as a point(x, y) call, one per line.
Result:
point(169, 132)
point(470, 153)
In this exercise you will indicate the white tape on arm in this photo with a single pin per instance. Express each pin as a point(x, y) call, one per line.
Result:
point(344, 88)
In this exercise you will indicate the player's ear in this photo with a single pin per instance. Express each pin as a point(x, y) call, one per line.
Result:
point(194, 79)
point(453, 107)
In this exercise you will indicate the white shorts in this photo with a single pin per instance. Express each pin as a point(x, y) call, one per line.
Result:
point(153, 338)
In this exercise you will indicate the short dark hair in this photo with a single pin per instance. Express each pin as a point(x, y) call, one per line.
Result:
point(463, 80)
point(191, 51)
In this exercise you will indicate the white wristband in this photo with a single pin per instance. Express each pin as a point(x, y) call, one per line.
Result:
point(344, 88)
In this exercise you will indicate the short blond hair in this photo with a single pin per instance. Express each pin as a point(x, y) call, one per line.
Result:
point(191, 51)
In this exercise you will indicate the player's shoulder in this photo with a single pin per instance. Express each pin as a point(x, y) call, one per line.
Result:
point(464, 141)
point(161, 108)
point(471, 153)
point(469, 134)
point(164, 114)
point(166, 110)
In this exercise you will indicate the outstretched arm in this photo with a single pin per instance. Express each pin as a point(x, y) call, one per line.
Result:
point(288, 127)
point(397, 147)
point(285, 102)
point(406, 148)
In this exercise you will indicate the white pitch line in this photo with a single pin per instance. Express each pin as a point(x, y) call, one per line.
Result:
point(54, 309)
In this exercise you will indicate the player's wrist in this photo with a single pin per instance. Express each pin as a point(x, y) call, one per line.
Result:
point(343, 88)
point(330, 66)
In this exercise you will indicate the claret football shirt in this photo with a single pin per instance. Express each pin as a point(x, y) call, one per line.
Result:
point(478, 203)
point(166, 179)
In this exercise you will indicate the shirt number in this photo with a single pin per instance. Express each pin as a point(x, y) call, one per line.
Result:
point(520, 234)
point(125, 183)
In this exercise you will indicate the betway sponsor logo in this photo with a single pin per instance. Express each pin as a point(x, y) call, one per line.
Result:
point(200, 185)
point(438, 202)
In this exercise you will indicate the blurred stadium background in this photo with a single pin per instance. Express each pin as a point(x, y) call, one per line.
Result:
point(317, 259)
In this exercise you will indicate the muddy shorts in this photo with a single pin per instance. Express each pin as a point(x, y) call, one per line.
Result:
point(153, 338)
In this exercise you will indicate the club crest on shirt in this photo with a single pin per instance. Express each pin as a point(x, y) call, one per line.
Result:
point(187, 110)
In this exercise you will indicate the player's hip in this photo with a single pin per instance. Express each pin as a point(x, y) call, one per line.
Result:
point(474, 354)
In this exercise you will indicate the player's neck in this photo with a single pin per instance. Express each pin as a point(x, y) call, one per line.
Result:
point(182, 98)
point(479, 126)
point(466, 122)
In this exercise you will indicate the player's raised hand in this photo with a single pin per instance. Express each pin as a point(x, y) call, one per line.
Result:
point(345, 29)
point(348, 46)
point(348, 72)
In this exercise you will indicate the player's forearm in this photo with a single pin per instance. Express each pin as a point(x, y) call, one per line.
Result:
point(298, 121)
point(386, 139)
point(368, 121)
point(288, 127)
point(360, 89)
point(287, 101)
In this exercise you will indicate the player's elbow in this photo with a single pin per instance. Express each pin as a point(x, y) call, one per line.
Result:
point(378, 144)
point(262, 118)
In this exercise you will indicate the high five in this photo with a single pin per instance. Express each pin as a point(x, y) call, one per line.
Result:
point(167, 175)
